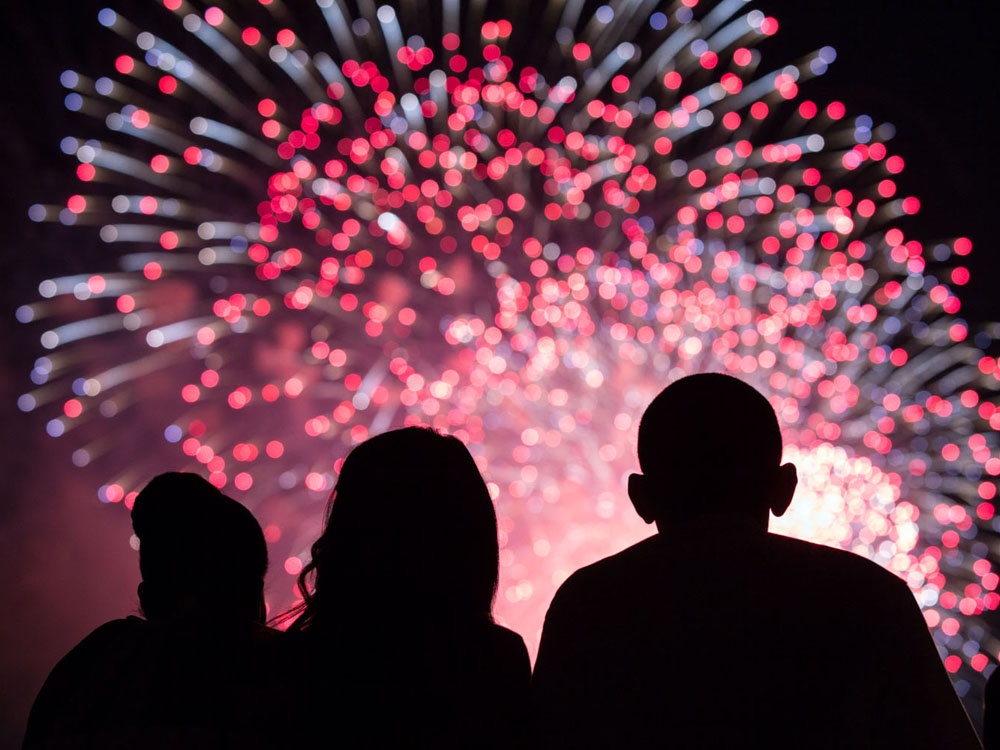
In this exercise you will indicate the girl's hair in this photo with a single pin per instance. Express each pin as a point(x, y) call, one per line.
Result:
point(410, 527)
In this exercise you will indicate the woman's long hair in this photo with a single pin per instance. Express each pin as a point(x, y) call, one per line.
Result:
point(410, 529)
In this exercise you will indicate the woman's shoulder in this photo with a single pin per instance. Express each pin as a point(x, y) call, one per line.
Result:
point(496, 689)
point(501, 650)
point(505, 638)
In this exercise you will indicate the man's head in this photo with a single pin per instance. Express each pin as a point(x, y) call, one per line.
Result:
point(707, 444)
point(200, 552)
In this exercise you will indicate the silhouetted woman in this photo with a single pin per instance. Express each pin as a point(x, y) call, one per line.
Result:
point(397, 623)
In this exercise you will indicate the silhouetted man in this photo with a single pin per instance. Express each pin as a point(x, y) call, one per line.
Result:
point(715, 633)
point(200, 670)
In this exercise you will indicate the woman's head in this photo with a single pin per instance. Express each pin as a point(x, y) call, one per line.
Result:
point(411, 526)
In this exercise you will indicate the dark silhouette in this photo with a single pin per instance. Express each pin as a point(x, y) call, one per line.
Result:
point(715, 633)
point(397, 622)
point(991, 712)
point(198, 671)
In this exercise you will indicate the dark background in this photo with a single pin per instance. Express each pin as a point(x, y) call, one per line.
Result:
point(65, 566)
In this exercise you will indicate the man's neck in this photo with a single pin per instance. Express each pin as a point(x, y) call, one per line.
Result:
point(671, 523)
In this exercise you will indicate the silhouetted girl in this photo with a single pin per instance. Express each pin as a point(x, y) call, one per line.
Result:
point(398, 596)
point(199, 670)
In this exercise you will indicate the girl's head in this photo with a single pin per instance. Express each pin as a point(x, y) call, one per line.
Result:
point(200, 551)
point(411, 527)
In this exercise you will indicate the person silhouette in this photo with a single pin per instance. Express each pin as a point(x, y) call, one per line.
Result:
point(398, 596)
point(198, 670)
point(991, 711)
point(714, 632)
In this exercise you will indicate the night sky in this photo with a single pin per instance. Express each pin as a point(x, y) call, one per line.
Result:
point(66, 565)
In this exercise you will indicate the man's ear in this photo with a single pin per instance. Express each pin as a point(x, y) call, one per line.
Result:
point(784, 487)
point(639, 494)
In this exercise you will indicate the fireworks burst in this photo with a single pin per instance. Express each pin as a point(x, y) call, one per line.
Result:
point(515, 225)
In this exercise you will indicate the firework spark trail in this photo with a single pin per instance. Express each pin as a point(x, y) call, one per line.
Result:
point(516, 227)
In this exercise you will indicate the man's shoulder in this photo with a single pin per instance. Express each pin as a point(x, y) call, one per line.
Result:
point(825, 561)
point(826, 568)
point(853, 585)
point(608, 574)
